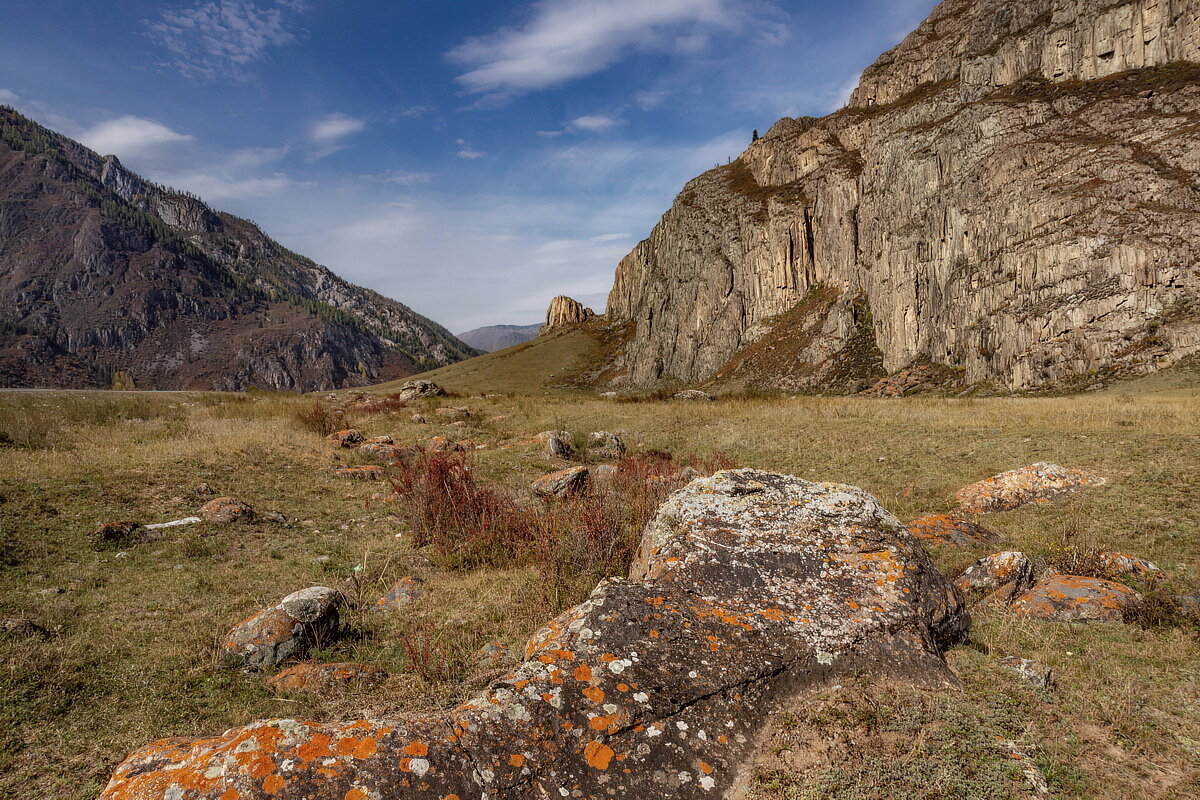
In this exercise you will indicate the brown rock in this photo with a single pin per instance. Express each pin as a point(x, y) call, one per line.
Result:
point(950, 530)
point(312, 676)
point(300, 621)
point(346, 438)
point(443, 445)
point(752, 587)
point(1073, 598)
point(224, 510)
point(1037, 483)
point(116, 532)
point(564, 483)
point(387, 452)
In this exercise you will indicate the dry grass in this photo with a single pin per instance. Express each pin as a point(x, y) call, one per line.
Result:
point(136, 656)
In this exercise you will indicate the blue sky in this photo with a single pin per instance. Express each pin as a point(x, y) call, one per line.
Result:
point(470, 158)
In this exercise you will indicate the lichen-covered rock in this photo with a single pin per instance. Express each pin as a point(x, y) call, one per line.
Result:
point(1035, 672)
point(377, 440)
point(419, 419)
point(558, 448)
point(224, 510)
point(1120, 565)
point(384, 451)
point(346, 438)
point(1074, 598)
point(312, 676)
point(367, 472)
point(493, 654)
point(692, 394)
point(121, 532)
point(564, 483)
point(751, 587)
point(951, 530)
point(545, 436)
point(415, 389)
point(300, 621)
point(442, 444)
point(999, 569)
point(605, 445)
point(1037, 483)
point(402, 593)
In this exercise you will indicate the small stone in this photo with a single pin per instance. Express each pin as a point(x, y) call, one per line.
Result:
point(692, 394)
point(558, 448)
point(420, 388)
point(276, 517)
point(420, 419)
point(116, 532)
point(1035, 672)
point(204, 490)
point(605, 445)
point(121, 556)
point(24, 628)
point(441, 444)
point(453, 413)
point(288, 629)
point(402, 593)
point(383, 451)
point(224, 510)
point(564, 483)
point(347, 438)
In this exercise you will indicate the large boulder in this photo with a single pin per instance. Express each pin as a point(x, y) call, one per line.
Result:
point(1075, 598)
point(749, 589)
point(415, 389)
point(1037, 483)
point(289, 629)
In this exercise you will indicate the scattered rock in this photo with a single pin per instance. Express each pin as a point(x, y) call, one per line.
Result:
point(606, 445)
point(609, 395)
point(692, 394)
point(1119, 565)
point(420, 419)
point(224, 510)
point(377, 440)
point(204, 490)
point(564, 483)
point(443, 445)
point(1071, 598)
point(347, 438)
point(950, 530)
point(453, 413)
point(24, 628)
point(904, 382)
point(546, 436)
point(1035, 672)
point(992, 572)
point(414, 389)
point(276, 517)
point(1037, 483)
point(751, 587)
point(300, 621)
point(603, 474)
point(402, 593)
point(382, 450)
point(558, 448)
point(459, 424)
point(368, 472)
point(121, 532)
point(312, 676)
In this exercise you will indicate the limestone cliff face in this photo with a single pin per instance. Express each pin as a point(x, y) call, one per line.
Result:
point(1011, 193)
point(565, 311)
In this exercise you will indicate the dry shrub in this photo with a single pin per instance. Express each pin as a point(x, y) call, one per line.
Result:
point(320, 419)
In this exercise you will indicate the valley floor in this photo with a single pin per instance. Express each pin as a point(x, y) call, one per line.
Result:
point(135, 631)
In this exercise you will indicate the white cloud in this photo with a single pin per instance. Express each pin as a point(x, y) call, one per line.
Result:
point(470, 154)
point(333, 127)
point(130, 137)
point(222, 38)
point(8, 97)
point(401, 177)
point(567, 39)
point(594, 123)
point(648, 101)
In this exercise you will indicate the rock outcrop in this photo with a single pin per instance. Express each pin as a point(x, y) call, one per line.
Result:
point(288, 629)
point(750, 588)
point(563, 312)
point(1010, 197)
point(106, 275)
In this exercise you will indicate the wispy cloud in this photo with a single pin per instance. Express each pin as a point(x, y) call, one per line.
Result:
point(223, 38)
point(328, 132)
point(400, 177)
point(567, 39)
point(8, 97)
point(590, 123)
point(130, 137)
point(467, 152)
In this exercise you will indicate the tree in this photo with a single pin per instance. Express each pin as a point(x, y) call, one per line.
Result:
point(755, 138)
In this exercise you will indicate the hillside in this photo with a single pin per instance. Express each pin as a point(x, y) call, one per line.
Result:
point(498, 337)
point(104, 272)
point(1009, 201)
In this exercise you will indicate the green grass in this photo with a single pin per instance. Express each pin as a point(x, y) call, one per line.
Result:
point(137, 658)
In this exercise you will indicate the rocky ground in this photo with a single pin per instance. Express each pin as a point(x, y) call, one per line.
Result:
point(1064, 525)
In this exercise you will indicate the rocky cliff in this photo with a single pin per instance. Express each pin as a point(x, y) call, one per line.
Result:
point(102, 271)
point(564, 311)
point(1010, 197)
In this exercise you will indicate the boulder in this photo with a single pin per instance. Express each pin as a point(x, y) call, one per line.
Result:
point(564, 483)
point(346, 438)
point(312, 676)
point(1074, 598)
point(289, 629)
point(558, 448)
point(377, 440)
point(368, 472)
point(402, 593)
point(992, 572)
point(414, 389)
point(692, 394)
point(1037, 483)
point(122, 532)
point(1035, 672)
point(224, 510)
point(750, 588)
point(951, 530)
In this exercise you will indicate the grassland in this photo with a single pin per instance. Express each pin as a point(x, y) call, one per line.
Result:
point(135, 652)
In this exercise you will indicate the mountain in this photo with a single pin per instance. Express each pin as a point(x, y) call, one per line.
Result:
point(103, 272)
point(498, 337)
point(1009, 200)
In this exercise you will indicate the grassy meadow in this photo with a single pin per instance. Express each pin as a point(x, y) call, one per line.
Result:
point(134, 650)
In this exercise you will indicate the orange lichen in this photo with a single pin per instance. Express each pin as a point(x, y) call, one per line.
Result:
point(598, 754)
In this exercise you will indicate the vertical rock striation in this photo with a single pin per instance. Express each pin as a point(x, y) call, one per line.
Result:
point(1011, 193)
point(564, 311)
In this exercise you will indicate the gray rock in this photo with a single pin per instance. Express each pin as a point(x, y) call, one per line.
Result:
point(1035, 672)
point(289, 629)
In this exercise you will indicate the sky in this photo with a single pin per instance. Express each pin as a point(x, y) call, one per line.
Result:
point(469, 158)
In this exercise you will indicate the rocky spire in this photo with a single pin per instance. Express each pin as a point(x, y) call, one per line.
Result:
point(564, 311)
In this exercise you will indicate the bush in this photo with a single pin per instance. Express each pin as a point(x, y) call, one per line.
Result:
point(320, 419)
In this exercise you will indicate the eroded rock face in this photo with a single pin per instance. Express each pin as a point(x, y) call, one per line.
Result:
point(1012, 194)
point(286, 630)
point(564, 311)
point(750, 587)
point(1037, 483)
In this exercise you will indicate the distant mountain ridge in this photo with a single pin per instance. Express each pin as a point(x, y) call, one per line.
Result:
point(491, 338)
point(103, 271)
